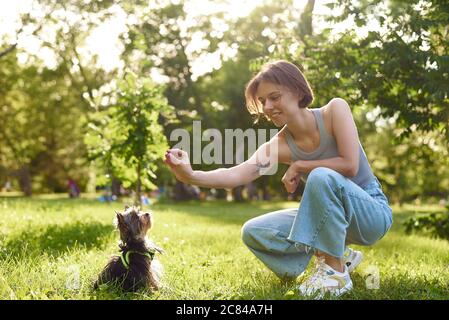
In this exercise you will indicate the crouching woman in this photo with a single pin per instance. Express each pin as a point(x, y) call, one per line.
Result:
point(343, 202)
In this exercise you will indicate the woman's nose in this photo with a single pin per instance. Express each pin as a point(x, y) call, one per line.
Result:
point(268, 106)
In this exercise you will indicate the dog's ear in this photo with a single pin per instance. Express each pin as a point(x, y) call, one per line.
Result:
point(120, 219)
point(126, 207)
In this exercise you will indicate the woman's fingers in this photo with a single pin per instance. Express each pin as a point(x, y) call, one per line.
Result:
point(167, 161)
point(294, 185)
point(179, 163)
point(289, 187)
point(290, 184)
point(173, 159)
point(178, 156)
point(170, 158)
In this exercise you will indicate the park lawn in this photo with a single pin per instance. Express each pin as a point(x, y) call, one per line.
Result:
point(53, 248)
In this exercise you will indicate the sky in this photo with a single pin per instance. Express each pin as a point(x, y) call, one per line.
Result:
point(104, 40)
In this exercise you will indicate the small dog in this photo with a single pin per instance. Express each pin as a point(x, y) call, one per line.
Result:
point(136, 267)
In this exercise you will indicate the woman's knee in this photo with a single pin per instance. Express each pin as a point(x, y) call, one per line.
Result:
point(321, 176)
point(261, 231)
point(257, 234)
point(247, 232)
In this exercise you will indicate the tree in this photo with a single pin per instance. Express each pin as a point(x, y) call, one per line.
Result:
point(45, 108)
point(126, 138)
point(160, 39)
point(399, 73)
point(403, 65)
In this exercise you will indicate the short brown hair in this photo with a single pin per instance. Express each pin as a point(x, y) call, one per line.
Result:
point(279, 72)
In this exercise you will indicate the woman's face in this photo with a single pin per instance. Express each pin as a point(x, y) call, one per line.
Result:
point(279, 103)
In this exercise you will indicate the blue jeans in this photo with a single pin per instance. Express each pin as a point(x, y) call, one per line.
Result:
point(334, 212)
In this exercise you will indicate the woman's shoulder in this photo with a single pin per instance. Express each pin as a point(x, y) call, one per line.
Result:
point(337, 100)
point(334, 105)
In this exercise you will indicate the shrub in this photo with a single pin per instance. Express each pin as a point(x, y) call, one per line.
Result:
point(435, 224)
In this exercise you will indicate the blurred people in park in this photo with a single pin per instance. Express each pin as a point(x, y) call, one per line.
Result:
point(7, 186)
point(74, 191)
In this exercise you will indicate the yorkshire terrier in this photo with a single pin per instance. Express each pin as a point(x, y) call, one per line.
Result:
point(136, 267)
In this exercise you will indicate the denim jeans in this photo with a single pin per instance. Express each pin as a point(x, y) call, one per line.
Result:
point(334, 212)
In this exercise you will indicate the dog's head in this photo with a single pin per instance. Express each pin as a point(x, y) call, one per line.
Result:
point(133, 224)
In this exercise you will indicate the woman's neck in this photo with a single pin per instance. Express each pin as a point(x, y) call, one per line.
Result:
point(302, 124)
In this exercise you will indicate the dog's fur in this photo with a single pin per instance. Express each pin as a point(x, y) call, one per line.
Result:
point(143, 272)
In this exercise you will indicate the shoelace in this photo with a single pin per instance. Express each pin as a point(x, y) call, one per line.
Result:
point(319, 274)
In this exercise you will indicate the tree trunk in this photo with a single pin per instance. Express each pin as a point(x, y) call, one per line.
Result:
point(115, 186)
point(138, 198)
point(305, 24)
point(24, 177)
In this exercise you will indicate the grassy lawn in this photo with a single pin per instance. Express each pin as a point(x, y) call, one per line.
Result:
point(53, 248)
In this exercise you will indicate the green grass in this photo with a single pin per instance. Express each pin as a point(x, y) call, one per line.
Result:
point(53, 248)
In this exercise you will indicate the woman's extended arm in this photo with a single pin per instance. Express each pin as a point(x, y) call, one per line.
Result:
point(264, 159)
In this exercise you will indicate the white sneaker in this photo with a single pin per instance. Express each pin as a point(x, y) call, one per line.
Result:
point(352, 258)
point(326, 280)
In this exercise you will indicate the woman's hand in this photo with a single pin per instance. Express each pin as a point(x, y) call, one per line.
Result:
point(291, 178)
point(179, 163)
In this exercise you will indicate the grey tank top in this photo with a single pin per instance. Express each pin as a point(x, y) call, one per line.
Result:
point(328, 149)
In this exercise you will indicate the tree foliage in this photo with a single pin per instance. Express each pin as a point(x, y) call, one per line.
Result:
point(127, 138)
point(394, 76)
point(434, 224)
point(402, 66)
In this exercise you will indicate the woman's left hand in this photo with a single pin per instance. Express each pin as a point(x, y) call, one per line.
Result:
point(291, 178)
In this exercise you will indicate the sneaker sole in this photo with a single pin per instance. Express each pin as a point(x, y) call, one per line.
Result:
point(338, 293)
point(348, 287)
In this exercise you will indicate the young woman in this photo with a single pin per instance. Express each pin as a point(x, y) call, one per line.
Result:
point(342, 203)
